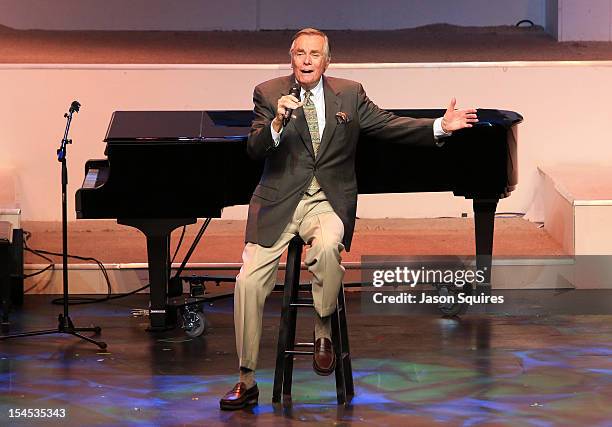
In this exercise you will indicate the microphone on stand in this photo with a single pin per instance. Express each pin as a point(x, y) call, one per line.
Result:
point(61, 151)
point(295, 91)
point(74, 107)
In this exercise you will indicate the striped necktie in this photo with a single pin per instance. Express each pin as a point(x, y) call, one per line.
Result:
point(310, 112)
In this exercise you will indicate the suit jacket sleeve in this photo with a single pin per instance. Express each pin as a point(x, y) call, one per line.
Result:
point(260, 143)
point(385, 126)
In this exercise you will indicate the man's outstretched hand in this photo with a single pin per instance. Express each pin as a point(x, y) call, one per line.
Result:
point(458, 119)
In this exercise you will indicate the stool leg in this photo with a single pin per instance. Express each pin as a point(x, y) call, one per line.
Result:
point(294, 284)
point(346, 359)
point(286, 333)
point(280, 352)
point(340, 383)
point(344, 371)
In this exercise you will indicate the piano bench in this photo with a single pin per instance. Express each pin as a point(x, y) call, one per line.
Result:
point(286, 351)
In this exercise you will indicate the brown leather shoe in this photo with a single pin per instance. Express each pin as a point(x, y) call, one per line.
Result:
point(324, 357)
point(239, 397)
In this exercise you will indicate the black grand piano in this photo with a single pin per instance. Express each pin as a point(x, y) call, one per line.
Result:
point(165, 169)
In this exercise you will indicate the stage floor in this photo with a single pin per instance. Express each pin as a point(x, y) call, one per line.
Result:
point(528, 364)
point(223, 241)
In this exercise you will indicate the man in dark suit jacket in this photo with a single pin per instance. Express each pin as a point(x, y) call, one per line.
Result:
point(308, 187)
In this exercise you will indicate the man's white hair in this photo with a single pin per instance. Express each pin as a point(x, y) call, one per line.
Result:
point(312, 32)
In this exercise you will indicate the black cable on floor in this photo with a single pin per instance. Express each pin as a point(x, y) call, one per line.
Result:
point(76, 300)
point(529, 23)
point(51, 266)
point(72, 300)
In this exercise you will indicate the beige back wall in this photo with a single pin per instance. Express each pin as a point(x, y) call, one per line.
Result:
point(565, 105)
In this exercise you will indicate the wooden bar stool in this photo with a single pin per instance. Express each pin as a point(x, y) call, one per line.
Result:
point(283, 374)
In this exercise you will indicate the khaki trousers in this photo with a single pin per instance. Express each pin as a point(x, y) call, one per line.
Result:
point(317, 223)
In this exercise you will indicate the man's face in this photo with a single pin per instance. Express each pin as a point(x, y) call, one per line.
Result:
point(308, 60)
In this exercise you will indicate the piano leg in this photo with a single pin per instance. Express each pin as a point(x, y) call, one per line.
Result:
point(157, 232)
point(484, 222)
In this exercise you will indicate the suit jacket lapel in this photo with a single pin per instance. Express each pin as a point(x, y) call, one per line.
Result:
point(332, 106)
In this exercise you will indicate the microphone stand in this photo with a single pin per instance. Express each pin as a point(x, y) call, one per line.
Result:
point(65, 325)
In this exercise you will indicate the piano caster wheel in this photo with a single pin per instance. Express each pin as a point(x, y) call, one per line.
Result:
point(452, 309)
point(194, 323)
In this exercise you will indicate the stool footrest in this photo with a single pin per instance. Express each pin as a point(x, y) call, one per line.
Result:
point(301, 304)
point(304, 344)
point(298, 352)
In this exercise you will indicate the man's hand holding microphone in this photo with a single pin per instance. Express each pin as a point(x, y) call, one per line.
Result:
point(285, 106)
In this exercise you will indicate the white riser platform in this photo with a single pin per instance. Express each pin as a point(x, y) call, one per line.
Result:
point(578, 207)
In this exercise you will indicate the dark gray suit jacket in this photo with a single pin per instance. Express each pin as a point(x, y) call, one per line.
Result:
point(289, 168)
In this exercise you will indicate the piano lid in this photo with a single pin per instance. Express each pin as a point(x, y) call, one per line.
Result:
point(177, 126)
point(194, 126)
point(154, 126)
point(486, 116)
point(226, 125)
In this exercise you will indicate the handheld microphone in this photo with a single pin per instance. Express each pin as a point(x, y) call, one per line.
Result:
point(295, 91)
